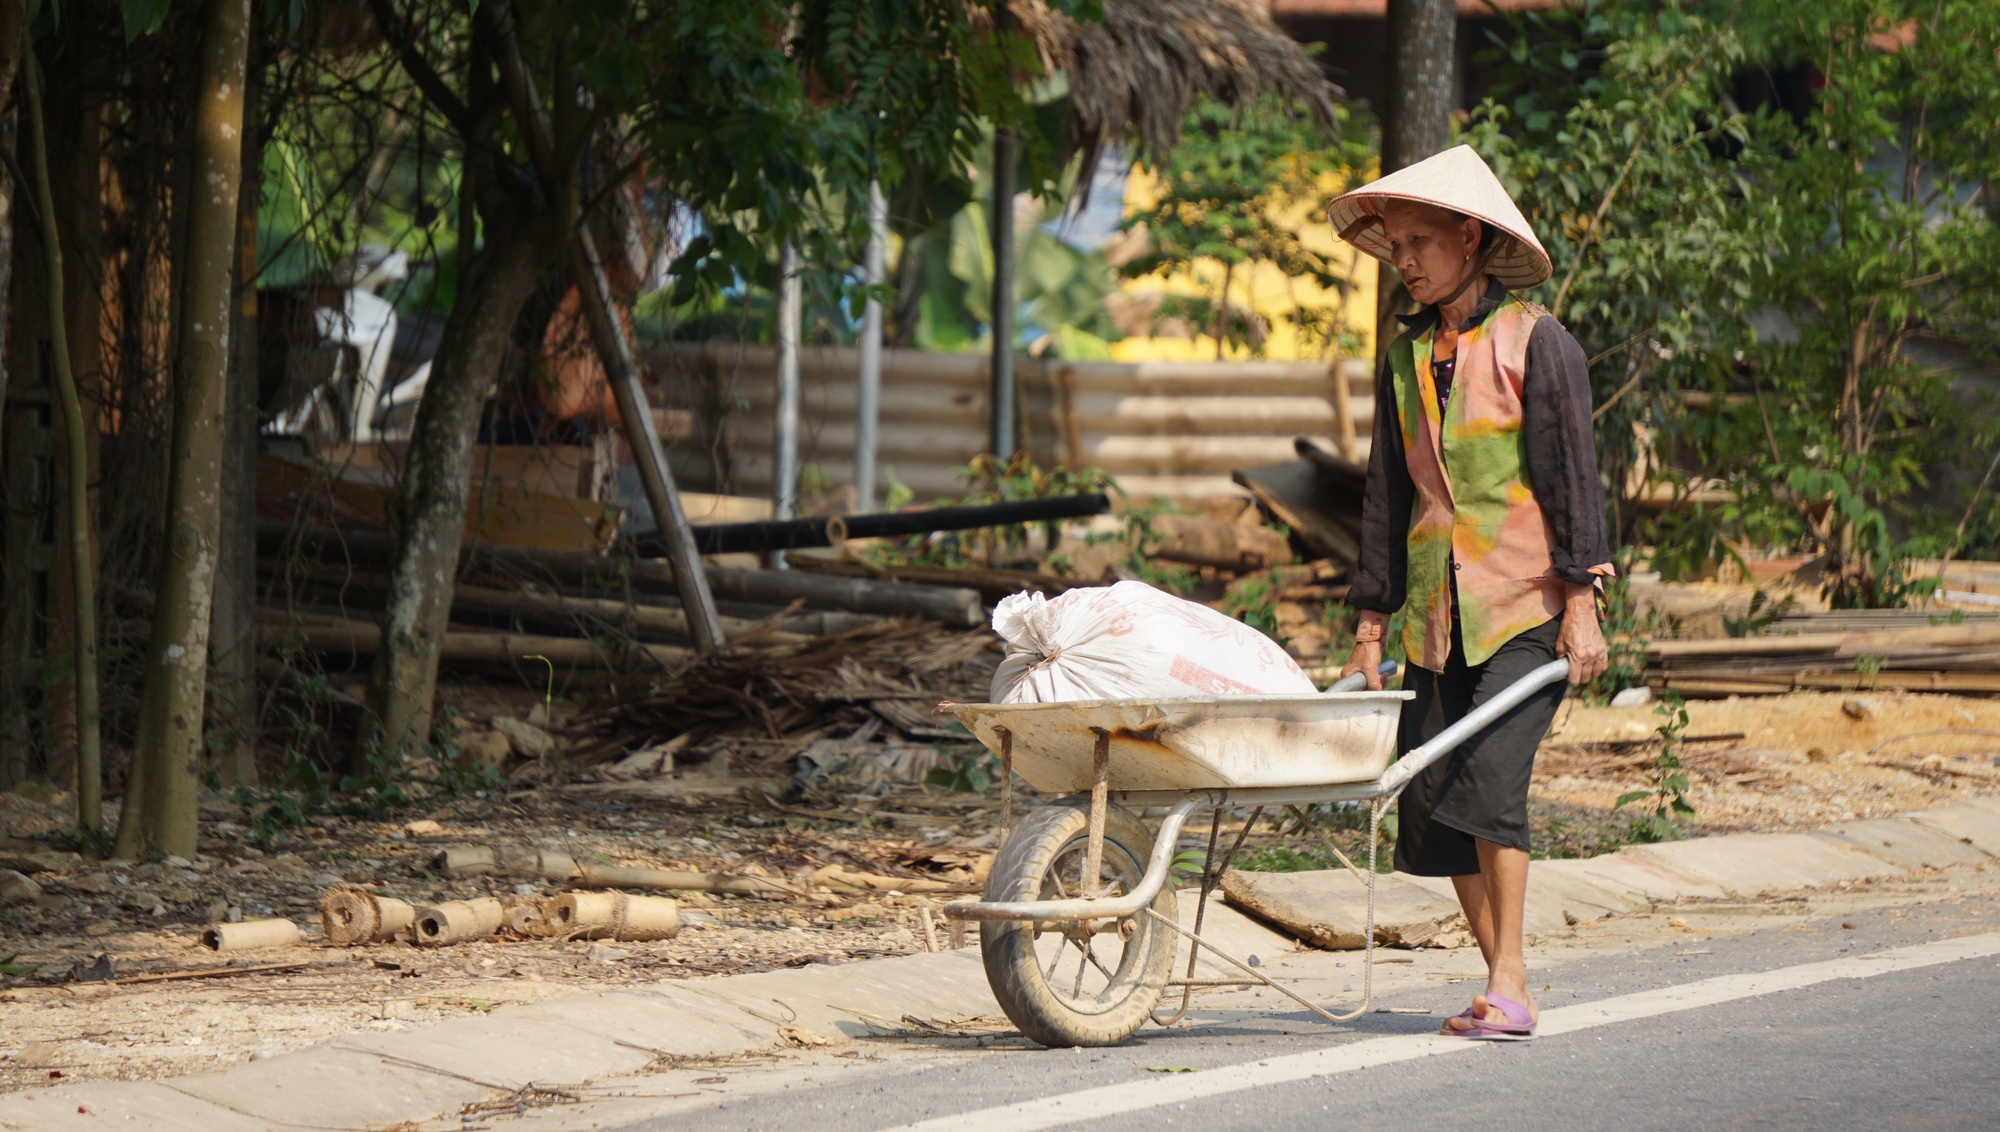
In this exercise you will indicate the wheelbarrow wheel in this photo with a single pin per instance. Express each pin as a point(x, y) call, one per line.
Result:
point(1075, 984)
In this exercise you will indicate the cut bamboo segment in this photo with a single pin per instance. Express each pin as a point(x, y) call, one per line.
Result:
point(523, 916)
point(456, 921)
point(250, 934)
point(349, 915)
point(612, 915)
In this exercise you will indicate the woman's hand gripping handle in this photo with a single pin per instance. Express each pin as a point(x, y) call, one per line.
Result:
point(1366, 659)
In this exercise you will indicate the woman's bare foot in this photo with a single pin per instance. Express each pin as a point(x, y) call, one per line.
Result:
point(1515, 989)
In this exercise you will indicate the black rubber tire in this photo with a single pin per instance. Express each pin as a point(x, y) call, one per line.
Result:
point(1013, 969)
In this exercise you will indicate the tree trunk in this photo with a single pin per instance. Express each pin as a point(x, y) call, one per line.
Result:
point(430, 517)
point(232, 646)
point(159, 814)
point(1416, 116)
point(13, 39)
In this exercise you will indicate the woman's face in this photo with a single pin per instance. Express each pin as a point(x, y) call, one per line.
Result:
point(1430, 249)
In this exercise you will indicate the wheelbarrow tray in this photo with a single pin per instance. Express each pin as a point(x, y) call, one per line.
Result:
point(1198, 742)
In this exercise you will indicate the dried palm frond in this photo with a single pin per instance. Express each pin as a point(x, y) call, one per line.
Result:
point(1135, 76)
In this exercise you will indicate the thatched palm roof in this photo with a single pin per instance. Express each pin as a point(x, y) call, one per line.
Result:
point(1136, 75)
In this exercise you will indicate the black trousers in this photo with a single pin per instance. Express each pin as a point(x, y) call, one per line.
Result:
point(1479, 791)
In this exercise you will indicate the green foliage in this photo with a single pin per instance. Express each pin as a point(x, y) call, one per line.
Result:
point(9, 967)
point(1059, 289)
point(966, 772)
point(1254, 601)
point(1229, 195)
point(1754, 218)
point(296, 791)
point(1188, 864)
point(1667, 794)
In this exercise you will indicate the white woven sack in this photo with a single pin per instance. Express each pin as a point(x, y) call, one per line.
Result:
point(1131, 641)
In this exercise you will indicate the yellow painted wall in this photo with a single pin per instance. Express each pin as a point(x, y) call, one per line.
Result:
point(1261, 287)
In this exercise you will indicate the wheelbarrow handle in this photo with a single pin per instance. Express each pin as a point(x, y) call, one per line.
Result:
point(1356, 681)
point(1478, 719)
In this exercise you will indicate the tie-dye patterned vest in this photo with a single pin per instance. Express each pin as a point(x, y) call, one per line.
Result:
point(1474, 510)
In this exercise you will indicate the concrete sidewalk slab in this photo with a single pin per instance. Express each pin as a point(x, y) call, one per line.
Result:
point(1901, 841)
point(332, 1087)
point(156, 1106)
point(672, 1018)
point(1746, 864)
point(1975, 821)
point(508, 1051)
point(831, 1001)
point(1635, 880)
point(1557, 892)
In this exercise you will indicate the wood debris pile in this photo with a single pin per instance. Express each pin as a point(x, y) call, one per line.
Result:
point(811, 709)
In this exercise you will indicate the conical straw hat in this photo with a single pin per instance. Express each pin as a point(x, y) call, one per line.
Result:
point(1458, 180)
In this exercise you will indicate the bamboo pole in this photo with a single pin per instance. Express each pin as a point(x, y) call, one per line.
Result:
point(607, 333)
point(89, 741)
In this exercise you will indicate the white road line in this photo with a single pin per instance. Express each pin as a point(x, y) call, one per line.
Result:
point(1115, 1100)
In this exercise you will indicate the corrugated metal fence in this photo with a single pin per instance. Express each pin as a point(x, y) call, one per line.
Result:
point(1163, 429)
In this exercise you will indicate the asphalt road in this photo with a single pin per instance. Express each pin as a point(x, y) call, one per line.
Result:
point(1913, 1048)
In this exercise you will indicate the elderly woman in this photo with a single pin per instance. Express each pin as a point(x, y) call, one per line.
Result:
point(1482, 524)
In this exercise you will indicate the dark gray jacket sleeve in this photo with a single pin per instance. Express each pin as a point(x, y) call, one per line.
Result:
point(1561, 451)
point(1379, 578)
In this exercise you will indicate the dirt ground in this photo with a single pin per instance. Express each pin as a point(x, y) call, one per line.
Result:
point(1771, 763)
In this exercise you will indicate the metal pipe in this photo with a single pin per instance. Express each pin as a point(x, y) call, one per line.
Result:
point(868, 378)
point(785, 470)
point(1104, 908)
point(1004, 438)
point(793, 534)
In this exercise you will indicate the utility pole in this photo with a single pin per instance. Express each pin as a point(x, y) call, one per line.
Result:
point(868, 391)
point(1004, 438)
point(785, 430)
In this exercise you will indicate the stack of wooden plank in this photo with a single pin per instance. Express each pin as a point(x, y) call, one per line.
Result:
point(1917, 651)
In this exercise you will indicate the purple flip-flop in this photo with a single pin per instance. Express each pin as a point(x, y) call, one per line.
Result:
point(1519, 1026)
point(1468, 1014)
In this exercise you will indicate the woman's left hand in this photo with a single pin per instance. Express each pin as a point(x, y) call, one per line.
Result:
point(1582, 639)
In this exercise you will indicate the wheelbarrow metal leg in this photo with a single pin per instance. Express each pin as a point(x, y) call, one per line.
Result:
point(1211, 874)
point(1006, 736)
point(1100, 797)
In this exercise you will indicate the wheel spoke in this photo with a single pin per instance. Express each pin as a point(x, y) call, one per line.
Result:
point(1057, 961)
point(1081, 967)
point(1091, 955)
point(1055, 878)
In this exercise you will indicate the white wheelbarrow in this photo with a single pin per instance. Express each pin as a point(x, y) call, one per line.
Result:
point(1078, 924)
